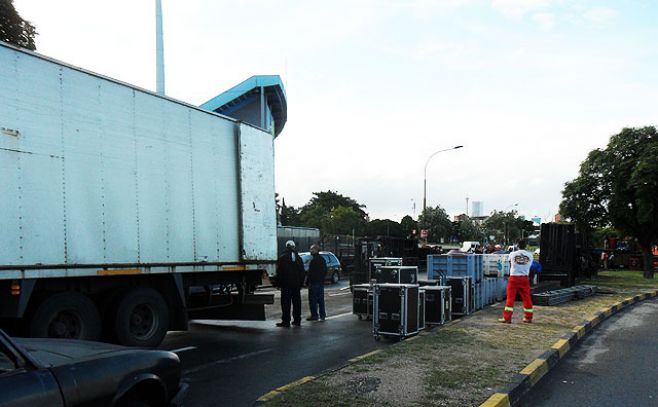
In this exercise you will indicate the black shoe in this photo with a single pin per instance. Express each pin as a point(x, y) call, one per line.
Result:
point(312, 318)
point(322, 318)
point(297, 323)
point(283, 324)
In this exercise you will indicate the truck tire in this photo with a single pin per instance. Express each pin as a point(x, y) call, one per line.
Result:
point(142, 318)
point(68, 315)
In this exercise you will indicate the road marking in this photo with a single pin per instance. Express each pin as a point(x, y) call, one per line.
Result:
point(336, 295)
point(339, 316)
point(185, 349)
point(228, 360)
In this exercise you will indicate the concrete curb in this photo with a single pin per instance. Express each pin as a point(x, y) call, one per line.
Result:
point(522, 382)
point(279, 390)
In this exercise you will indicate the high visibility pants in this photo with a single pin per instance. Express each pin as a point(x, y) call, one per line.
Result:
point(519, 284)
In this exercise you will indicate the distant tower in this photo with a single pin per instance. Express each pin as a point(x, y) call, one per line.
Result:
point(159, 50)
point(477, 210)
point(466, 205)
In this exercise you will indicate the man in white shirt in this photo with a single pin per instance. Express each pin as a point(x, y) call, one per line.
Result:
point(520, 262)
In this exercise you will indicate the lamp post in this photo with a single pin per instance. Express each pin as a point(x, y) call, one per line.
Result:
point(425, 173)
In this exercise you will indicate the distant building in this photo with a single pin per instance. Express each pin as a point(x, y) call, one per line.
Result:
point(477, 209)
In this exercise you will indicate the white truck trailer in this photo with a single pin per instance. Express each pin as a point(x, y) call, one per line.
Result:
point(124, 214)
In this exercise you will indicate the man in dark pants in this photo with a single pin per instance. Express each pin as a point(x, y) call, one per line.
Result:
point(317, 272)
point(290, 278)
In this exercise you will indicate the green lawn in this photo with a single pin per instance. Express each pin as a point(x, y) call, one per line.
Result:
point(622, 279)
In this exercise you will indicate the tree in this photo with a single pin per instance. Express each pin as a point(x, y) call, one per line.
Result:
point(618, 187)
point(384, 227)
point(408, 226)
point(15, 30)
point(289, 215)
point(329, 212)
point(437, 222)
point(466, 229)
point(507, 227)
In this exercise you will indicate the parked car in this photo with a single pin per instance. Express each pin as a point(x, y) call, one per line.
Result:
point(66, 372)
point(333, 265)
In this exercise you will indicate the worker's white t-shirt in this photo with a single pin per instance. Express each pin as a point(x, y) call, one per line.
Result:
point(520, 261)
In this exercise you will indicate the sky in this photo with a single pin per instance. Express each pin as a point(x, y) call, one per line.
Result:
point(528, 87)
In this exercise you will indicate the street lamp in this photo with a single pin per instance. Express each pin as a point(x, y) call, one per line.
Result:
point(425, 173)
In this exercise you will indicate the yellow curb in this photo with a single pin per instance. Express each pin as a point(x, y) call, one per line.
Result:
point(366, 355)
point(536, 370)
point(497, 400)
point(562, 346)
point(269, 396)
point(579, 330)
point(593, 320)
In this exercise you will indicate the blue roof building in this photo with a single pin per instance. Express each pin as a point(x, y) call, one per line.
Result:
point(259, 101)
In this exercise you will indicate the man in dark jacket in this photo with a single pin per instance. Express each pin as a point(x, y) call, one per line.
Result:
point(317, 272)
point(290, 278)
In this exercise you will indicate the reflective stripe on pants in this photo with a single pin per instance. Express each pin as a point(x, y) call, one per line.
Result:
point(519, 284)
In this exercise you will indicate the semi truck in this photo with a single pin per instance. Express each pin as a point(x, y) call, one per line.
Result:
point(125, 214)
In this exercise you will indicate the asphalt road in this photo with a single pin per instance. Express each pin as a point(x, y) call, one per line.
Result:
point(615, 366)
point(232, 363)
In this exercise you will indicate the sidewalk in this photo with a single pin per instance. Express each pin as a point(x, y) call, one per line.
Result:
point(460, 364)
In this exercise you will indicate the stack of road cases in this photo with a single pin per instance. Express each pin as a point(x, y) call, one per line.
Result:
point(395, 310)
point(396, 274)
point(438, 305)
point(375, 262)
point(362, 301)
point(462, 293)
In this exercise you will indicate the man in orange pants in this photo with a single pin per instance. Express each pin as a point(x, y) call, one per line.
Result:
point(520, 262)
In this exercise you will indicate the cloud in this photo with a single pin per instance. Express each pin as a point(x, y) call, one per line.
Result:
point(600, 14)
point(517, 9)
point(545, 20)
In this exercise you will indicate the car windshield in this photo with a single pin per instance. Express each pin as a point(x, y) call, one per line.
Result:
point(306, 257)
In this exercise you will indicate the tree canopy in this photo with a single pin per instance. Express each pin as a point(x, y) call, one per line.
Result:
point(507, 227)
point(13, 29)
point(436, 221)
point(467, 230)
point(618, 187)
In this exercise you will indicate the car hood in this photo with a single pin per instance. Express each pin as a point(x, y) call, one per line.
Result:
point(55, 352)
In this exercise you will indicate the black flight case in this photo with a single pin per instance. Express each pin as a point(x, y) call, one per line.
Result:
point(395, 310)
point(438, 305)
point(362, 301)
point(396, 274)
point(463, 295)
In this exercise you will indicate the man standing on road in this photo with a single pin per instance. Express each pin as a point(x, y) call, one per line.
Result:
point(290, 278)
point(520, 262)
point(317, 272)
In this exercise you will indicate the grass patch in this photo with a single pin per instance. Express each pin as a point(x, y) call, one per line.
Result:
point(622, 279)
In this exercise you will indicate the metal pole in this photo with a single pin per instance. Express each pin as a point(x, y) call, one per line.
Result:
point(425, 173)
point(159, 50)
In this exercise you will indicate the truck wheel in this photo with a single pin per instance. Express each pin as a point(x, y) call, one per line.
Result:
point(142, 318)
point(68, 315)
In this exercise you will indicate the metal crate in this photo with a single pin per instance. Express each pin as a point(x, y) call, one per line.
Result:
point(395, 310)
point(396, 274)
point(462, 298)
point(362, 301)
point(438, 305)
